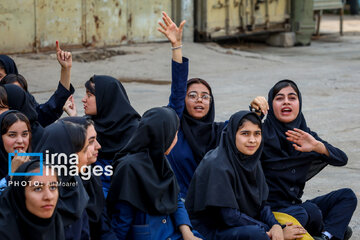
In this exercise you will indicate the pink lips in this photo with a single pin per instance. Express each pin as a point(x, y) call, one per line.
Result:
point(286, 110)
point(48, 207)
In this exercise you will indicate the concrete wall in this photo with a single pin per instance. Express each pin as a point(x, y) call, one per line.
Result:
point(31, 25)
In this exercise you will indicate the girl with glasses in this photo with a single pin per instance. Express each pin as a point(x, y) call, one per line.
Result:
point(194, 104)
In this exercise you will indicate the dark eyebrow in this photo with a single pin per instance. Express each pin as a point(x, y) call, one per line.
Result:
point(40, 184)
point(281, 94)
point(91, 138)
point(201, 92)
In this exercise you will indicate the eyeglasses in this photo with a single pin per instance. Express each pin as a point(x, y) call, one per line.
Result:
point(194, 97)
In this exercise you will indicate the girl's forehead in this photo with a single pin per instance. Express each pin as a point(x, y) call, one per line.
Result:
point(198, 87)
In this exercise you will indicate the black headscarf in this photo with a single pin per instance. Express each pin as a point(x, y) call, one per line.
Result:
point(16, 222)
point(227, 178)
point(73, 197)
point(19, 100)
point(279, 153)
point(116, 119)
point(202, 134)
point(93, 186)
point(142, 175)
point(4, 164)
point(9, 64)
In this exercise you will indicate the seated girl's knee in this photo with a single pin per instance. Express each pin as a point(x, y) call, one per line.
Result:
point(349, 194)
point(255, 232)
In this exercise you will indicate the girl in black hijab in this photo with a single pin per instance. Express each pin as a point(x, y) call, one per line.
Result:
point(15, 136)
point(52, 110)
point(227, 195)
point(194, 104)
point(61, 140)
point(98, 220)
point(108, 105)
point(7, 66)
point(143, 198)
point(292, 155)
point(19, 100)
point(28, 207)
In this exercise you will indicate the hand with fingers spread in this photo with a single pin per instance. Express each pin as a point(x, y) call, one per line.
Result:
point(260, 104)
point(70, 107)
point(171, 31)
point(64, 58)
point(293, 231)
point(305, 142)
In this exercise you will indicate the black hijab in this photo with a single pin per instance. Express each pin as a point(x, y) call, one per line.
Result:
point(142, 175)
point(9, 64)
point(16, 222)
point(73, 197)
point(201, 134)
point(279, 153)
point(19, 100)
point(116, 119)
point(93, 186)
point(226, 178)
point(4, 161)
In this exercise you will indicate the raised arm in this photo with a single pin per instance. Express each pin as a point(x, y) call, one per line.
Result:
point(65, 60)
point(179, 66)
point(52, 110)
point(174, 34)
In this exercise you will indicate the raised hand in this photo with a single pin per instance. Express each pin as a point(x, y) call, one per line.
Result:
point(64, 58)
point(303, 141)
point(70, 107)
point(171, 31)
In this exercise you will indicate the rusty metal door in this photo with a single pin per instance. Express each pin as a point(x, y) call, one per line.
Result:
point(106, 22)
point(58, 20)
point(225, 18)
point(143, 18)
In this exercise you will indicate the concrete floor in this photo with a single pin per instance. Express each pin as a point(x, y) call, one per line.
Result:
point(327, 73)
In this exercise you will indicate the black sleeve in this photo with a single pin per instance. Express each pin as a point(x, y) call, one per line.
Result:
point(337, 157)
point(52, 110)
point(232, 217)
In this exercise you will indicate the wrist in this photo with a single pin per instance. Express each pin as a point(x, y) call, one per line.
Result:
point(66, 69)
point(176, 44)
point(184, 229)
point(318, 147)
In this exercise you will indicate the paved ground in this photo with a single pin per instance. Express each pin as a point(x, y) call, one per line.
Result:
point(327, 73)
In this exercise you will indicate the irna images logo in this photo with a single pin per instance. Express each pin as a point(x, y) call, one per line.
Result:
point(63, 164)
